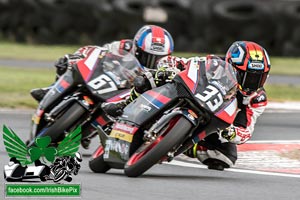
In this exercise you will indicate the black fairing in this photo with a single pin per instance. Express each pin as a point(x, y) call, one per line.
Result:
point(58, 91)
point(150, 104)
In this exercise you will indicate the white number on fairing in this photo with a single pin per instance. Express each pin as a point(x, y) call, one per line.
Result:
point(212, 103)
point(100, 81)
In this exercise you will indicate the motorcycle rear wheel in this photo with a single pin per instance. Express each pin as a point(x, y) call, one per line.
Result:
point(97, 163)
point(145, 158)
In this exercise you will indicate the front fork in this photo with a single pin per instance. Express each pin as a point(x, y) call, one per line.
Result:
point(157, 128)
point(50, 116)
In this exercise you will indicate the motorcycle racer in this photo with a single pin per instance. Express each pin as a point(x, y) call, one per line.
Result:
point(164, 71)
point(149, 44)
point(251, 61)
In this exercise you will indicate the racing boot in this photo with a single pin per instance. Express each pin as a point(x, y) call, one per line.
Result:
point(39, 93)
point(203, 155)
point(192, 152)
point(218, 155)
point(213, 153)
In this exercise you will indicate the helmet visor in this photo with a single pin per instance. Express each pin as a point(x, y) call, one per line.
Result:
point(146, 59)
point(251, 81)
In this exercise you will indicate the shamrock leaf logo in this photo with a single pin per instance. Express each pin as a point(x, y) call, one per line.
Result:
point(42, 149)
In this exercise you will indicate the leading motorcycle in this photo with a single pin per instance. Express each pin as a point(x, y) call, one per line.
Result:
point(76, 98)
point(166, 121)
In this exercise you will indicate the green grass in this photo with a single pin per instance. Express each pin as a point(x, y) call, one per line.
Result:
point(16, 83)
point(283, 93)
point(34, 52)
point(286, 66)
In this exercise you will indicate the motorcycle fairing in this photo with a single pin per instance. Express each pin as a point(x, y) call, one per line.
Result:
point(206, 79)
point(97, 81)
point(119, 97)
point(117, 145)
point(194, 74)
point(62, 85)
point(228, 112)
point(85, 66)
point(102, 84)
point(116, 151)
point(123, 131)
point(59, 89)
point(149, 104)
point(106, 74)
point(100, 120)
point(156, 99)
point(37, 116)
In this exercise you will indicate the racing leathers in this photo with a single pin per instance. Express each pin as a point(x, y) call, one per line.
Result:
point(219, 150)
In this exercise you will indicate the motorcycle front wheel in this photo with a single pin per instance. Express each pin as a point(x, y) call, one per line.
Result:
point(149, 154)
point(63, 122)
point(97, 163)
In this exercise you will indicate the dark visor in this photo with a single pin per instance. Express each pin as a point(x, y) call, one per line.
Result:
point(146, 59)
point(251, 81)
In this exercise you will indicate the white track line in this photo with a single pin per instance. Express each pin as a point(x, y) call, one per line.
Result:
point(294, 106)
point(273, 142)
point(186, 164)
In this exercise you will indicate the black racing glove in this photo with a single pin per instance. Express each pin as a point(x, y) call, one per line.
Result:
point(62, 63)
point(141, 84)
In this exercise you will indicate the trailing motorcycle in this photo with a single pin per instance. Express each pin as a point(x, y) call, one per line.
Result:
point(166, 121)
point(76, 98)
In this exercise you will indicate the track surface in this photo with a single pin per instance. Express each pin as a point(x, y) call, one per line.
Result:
point(170, 181)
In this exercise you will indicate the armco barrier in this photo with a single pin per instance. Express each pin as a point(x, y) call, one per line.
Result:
point(196, 25)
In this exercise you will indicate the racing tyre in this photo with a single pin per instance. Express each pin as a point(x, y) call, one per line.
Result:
point(64, 122)
point(149, 154)
point(97, 163)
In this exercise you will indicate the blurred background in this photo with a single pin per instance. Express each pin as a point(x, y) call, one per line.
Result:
point(196, 25)
point(35, 33)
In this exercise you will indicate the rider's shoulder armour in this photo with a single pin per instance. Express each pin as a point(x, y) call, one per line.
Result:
point(126, 44)
point(260, 99)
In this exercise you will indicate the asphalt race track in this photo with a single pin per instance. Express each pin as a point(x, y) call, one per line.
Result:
point(174, 181)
